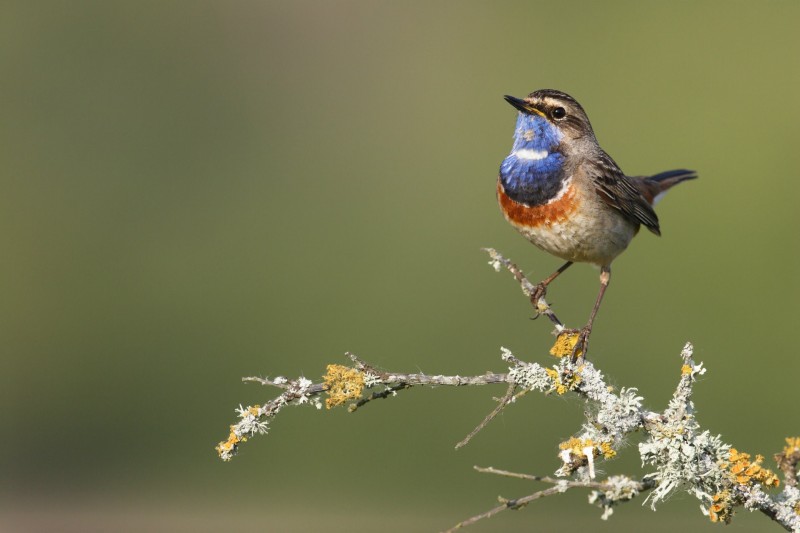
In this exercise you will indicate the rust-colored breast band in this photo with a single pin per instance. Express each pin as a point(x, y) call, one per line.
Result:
point(538, 215)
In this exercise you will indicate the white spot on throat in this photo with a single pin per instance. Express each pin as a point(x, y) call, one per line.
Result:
point(531, 155)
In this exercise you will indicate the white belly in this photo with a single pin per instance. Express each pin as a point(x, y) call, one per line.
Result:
point(597, 237)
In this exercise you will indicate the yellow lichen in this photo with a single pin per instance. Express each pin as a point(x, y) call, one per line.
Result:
point(559, 385)
point(747, 472)
point(722, 509)
point(342, 384)
point(565, 343)
point(686, 370)
point(788, 459)
point(792, 446)
point(607, 451)
point(575, 444)
point(578, 446)
point(227, 446)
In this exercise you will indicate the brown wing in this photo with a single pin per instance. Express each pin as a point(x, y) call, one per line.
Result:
point(621, 192)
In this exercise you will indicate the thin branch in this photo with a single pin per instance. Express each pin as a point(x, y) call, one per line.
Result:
point(391, 378)
point(489, 378)
point(543, 479)
point(391, 391)
point(255, 420)
point(507, 504)
point(540, 305)
point(279, 382)
point(559, 486)
point(501, 404)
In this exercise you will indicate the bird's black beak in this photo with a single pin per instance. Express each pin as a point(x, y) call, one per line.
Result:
point(518, 103)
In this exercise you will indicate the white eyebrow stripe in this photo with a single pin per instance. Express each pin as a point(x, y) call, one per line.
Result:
point(533, 155)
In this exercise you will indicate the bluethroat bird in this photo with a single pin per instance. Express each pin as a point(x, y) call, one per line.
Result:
point(563, 193)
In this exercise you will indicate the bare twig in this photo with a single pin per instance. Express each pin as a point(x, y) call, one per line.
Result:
point(543, 479)
point(501, 403)
point(507, 504)
point(624, 489)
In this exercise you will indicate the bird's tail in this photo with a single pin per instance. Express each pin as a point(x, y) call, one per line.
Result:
point(654, 187)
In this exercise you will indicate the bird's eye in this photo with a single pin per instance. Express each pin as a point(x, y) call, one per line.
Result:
point(558, 113)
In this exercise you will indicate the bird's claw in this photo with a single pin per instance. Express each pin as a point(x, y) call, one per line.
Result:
point(581, 347)
point(537, 299)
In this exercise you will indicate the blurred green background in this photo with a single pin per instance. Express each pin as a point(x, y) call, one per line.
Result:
point(193, 192)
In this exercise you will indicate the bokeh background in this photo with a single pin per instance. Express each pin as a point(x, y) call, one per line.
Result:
point(193, 192)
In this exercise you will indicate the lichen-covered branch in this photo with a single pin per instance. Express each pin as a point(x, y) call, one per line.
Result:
point(676, 452)
point(340, 385)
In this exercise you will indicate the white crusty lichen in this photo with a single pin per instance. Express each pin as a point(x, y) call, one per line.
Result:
point(249, 423)
point(787, 507)
point(616, 490)
point(610, 418)
point(529, 376)
point(371, 379)
point(615, 414)
point(684, 456)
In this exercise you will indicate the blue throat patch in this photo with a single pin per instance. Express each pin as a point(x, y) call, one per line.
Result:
point(533, 181)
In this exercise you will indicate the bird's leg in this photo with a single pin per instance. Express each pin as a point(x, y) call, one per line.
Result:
point(582, 345)
point(541, 288)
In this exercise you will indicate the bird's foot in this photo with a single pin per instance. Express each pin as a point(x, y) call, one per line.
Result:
point(581, 347)
point(537, 299)
point(571, 342)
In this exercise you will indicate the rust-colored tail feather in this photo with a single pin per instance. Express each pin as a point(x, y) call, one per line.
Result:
point(653, 187)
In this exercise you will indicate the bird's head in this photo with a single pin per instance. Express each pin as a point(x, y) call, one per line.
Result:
point(550, 121)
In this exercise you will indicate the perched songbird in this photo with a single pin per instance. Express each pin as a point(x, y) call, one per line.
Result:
point(563, 193)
